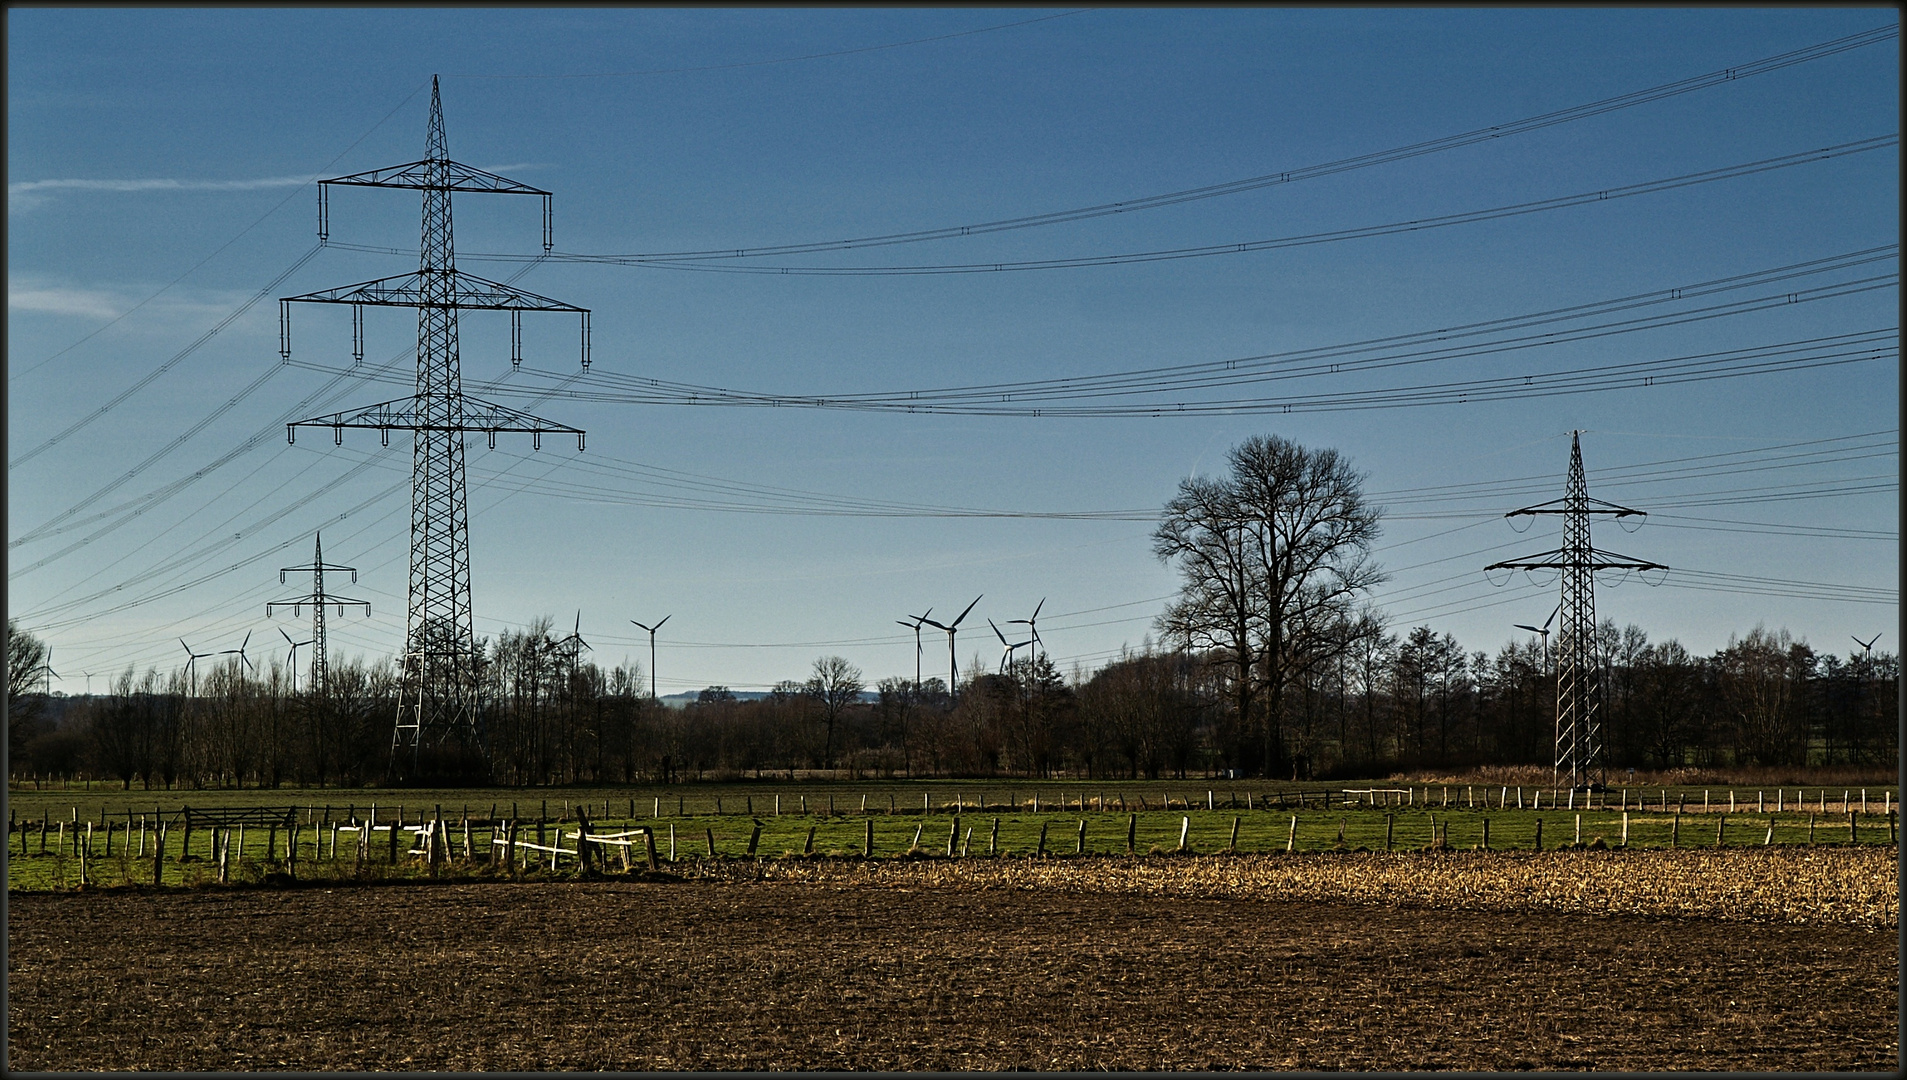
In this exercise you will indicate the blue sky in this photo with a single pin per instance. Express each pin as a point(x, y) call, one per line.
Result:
point(158, 168)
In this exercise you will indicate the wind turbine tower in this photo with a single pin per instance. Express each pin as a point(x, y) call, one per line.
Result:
point(917, 622)
point(953, 660)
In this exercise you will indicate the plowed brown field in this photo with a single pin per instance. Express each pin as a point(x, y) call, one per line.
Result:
point(790, 974)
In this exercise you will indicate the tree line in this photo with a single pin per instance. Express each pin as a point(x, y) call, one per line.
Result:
point(1271, 662)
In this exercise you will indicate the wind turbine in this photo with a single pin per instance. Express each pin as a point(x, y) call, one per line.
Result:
point(652, 648)
point(1868, 645)
point(240, 651)
point(953, 677)
point(1033, 625)
point(573, 645)
point(291, 664)
point(1006, 656)
point(1544, 631)
point(916, 624)
point(191, 668)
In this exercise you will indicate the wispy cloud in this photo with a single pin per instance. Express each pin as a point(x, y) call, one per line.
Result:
point(30, 194)
point(91, 303)
point(30, 293)
point(25, 187)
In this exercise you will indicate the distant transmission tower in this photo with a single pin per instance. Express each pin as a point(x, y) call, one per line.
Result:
point(318, 598)
point(438, 711)
point(1578, 668)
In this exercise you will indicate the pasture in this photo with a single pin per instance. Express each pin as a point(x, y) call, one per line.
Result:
point(118, 832)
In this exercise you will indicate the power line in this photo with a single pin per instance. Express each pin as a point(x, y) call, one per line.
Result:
point(221, 248)
point(147, 380)
point(1467, 217)
point(1331, 168)
point(1445, 343)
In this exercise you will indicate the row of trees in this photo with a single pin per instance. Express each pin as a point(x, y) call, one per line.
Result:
point(1272, 663)
point(1415, 700)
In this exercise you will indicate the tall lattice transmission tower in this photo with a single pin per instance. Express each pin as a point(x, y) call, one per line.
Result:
point(438, 731)
point(1578, 668)
point(318, 598)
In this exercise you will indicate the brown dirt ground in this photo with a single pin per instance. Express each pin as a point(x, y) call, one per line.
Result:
point(783, 975)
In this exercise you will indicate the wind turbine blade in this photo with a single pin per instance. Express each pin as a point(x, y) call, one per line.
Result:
point(963, 614)
point(1525, 626)
point(287, 637)
point(996, 632)
point(1037, 607)
point(665, 618)
point(941, 626)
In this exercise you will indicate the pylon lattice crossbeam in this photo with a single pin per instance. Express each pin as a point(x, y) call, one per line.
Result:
point(1578, 666)
point(438, 708)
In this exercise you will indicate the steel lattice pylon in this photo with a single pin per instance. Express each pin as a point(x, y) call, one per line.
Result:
point(1578, 667)
point(318, 598)
point(438, 707)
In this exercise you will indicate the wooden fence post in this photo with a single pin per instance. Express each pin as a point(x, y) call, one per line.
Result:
point(1390, 827)
point(867, 845)
point(953, 834)
point(158, 853)
point(993, 838)
point(395, 829)
point(1675, 829)
point(808, 847)
point(1625, 828)
point(1721, 823)
point(585, 850)
point(1769, 838)
point(1486, 822)
point(1042, 850)
point(649, 846)
point(1185, 833)
point(709, 835)
point(1538, 844)
point(1080, 847)
point(754, 837)
point(1232, 848)
point(1291, 838)
point(1810, 830)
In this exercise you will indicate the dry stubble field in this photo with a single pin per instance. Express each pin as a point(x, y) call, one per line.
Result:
point(903, 970)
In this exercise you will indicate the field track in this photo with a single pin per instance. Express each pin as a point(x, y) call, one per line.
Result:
point(830, 974)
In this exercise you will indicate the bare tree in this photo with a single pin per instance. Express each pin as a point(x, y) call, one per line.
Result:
point(1269, 557)
point(835, 685)
point(26, 668)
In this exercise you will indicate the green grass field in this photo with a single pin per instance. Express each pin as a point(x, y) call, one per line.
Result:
point(918, 817)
